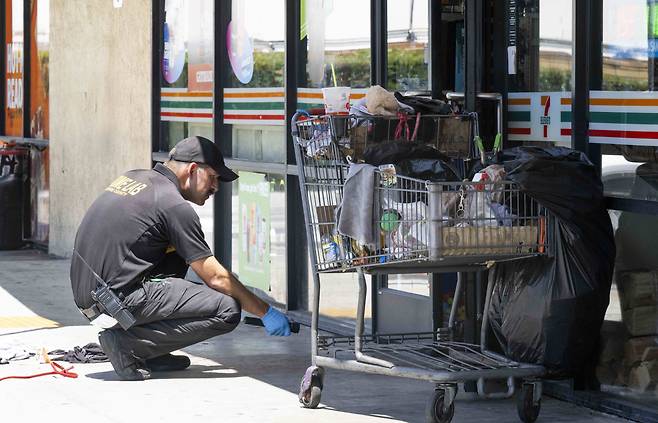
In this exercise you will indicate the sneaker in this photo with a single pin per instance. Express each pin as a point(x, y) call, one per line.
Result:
point(125, 365)
point(168, 363)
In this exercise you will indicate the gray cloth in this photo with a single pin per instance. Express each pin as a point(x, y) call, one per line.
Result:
point(90, 353)
point(174, 313)
point(359, 210)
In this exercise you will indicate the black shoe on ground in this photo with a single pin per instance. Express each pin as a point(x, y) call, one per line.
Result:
point(125, 365)
point(168, 363)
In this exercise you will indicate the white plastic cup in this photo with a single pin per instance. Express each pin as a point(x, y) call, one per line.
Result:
point(336, 100)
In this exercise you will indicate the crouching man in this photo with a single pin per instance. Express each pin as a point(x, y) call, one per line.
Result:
point(134, 246)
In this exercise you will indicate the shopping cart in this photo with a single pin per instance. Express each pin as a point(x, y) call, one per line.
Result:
point(419, 227)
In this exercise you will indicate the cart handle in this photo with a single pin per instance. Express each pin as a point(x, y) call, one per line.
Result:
point(293, 122)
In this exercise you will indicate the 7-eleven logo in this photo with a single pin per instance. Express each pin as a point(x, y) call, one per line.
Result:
point(545, 119)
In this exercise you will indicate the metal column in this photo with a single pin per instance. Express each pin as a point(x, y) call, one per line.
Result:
point(436, 47)
point(473, 24)
point(27, 74)
point(297, 249)
point(378, 76)
point(474, 52)
point(580, 75)
point(595, 65)
point(378, 43)
point(587, 71)
point(500, 67)
point(222, 216)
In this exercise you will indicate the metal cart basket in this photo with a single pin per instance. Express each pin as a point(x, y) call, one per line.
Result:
point(418, 227)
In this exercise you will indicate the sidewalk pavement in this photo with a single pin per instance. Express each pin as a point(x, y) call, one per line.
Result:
point(244, 376)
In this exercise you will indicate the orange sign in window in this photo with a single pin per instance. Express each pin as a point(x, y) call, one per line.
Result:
point(14, 71)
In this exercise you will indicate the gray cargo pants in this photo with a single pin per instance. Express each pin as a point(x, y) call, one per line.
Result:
point(174, 313)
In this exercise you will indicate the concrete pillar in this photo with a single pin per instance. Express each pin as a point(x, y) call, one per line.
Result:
point(100, 104)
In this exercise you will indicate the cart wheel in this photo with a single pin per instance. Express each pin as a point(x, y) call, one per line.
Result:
point(310, 388)
point(525, 406)
point(311, 399)
point(435, 412)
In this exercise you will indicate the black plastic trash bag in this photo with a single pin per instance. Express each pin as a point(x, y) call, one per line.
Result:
point(425, 105)
point(415, 160)
point(435, 170)
point(549, 310)
point(395, 151)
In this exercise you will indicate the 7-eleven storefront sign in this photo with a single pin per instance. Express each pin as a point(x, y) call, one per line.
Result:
point(537, 116)
point(615, 117)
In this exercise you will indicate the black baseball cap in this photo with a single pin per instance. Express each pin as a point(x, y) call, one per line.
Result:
point(202, 150)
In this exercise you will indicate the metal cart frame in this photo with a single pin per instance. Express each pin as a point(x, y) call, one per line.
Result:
point(434, 357)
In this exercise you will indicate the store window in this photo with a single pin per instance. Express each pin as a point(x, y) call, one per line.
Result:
point(29, 123)
point(259, 233)
point(337, 35)
point(186, 81)
point(187, 74)
point(254, 108)
point(335, 38)
point(623, 114)
point(539, 71)
point(541, 32)
point(626, 45)
point(408, 45)
point(624, 121)
point(254, 100)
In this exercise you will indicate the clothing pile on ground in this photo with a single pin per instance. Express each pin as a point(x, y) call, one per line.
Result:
point(89, 353)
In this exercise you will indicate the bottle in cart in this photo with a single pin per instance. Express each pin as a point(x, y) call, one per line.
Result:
point(388, 175)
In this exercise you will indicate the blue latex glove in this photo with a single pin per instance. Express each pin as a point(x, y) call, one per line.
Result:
point(276, 323)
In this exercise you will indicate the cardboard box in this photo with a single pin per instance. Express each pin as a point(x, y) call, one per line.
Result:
point(644, 348)
point(454, 137)
point(637, 288)
point(643, 375)
point(326, 219)
point(483, 240)
point(641, 321)
point(358, 142)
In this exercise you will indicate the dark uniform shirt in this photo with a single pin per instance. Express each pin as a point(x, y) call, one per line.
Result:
point(133, 228)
